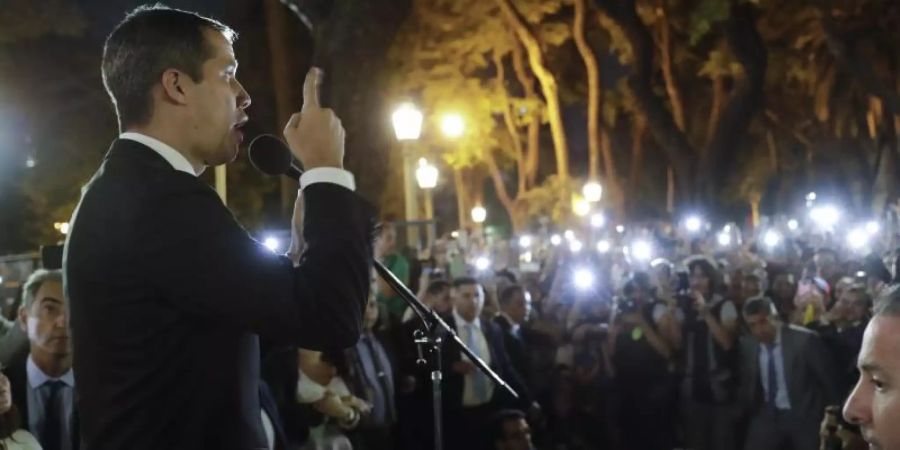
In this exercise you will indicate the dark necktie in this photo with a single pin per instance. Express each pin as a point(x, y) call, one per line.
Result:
point(51, 435)
point(772, 393)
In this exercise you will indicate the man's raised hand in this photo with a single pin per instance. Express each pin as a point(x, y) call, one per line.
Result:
point(315, 135)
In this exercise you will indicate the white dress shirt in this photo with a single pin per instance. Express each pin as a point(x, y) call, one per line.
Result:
point(469, 396)
point(179, 162)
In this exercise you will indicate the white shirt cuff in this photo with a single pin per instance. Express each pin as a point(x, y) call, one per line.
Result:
point(308, 391)
point(333, 175)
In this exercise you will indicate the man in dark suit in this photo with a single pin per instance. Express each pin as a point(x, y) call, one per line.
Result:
point(515, 306)
point(470, 398)
point(787, 381)
point(168, 292)
point(42, 383)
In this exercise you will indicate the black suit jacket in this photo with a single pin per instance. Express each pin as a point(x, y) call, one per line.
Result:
point(17, 373)
point(516, 347)
point(454, 383)
point(808, 370)
point(167, 293)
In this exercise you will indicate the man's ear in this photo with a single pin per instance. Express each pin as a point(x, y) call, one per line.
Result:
point(23, 318)
point(175, 85)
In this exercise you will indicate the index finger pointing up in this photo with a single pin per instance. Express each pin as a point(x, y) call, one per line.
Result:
point(311, 88)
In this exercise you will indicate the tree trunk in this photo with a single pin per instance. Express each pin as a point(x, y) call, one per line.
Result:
point(462, 198)
point(715, 110)
point(510, 124)
point(746, 99)
point(510, 204)
point(593, 78)
point(548, 85)
point(659, 120)
point(638, 128)
point(665, 47)
point(534, 126)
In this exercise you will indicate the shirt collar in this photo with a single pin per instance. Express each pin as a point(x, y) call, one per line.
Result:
point(513, 324)
point(460, 322)
point(37, 377)
point(174, 157)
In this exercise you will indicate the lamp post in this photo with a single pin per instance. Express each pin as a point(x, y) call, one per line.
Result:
point(407, 121)
point(453, 126)
point(427, 176)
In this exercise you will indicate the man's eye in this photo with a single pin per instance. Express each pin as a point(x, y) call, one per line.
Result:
point(880, 385)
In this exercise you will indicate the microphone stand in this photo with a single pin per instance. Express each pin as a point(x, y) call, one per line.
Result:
point(429, 342)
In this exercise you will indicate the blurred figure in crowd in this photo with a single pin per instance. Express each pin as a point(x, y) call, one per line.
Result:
point(510, 431)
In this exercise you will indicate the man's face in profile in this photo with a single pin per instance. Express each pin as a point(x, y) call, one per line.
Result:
point(874, 404)
point(217, 104)
point(468, 299)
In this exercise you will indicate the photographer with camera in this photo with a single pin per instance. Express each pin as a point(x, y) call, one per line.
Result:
point(642, 363)
point(709, 359)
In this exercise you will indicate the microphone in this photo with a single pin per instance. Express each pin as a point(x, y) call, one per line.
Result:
point(271, 156)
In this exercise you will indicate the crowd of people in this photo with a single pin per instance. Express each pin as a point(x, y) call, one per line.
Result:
point(731, 348)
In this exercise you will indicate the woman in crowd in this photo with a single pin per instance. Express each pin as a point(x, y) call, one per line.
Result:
point(12, 437)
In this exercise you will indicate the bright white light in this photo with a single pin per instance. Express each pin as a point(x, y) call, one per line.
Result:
point(620, 229)
point(1, 280)
point(482, 263)
point(30, 163)
point(479, 214)
point(62, 227)
point(569, 234)
point(603, 246)
point(453, 125)
point(825, 216)
point(407, 122)
point(525, 241)
point(454, 234)
point(724, 239)
point(598, 220)
point(426, 174)
point(642, 251)
point(771, 238)
point(860, 274)
point(592, 191)
point(584, 279)
point(271, 243)
point(575, 245)
point(693, 224)
point(556, 240)
point(811, 196)
point(872, 227)
point(857, 238)
point(581, 207)
point(793, 224)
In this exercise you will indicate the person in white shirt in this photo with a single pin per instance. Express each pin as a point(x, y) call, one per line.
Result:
point(11, 436)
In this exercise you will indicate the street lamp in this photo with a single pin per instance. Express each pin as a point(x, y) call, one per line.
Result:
point(453, 125)
point(479, 214)
point(592, 191)
point(407, 121)
point(581, 207)
point(427, 176)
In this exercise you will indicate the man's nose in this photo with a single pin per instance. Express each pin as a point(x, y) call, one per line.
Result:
point(857, 409)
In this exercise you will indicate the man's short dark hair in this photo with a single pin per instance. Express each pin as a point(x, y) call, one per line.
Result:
point(436, 287)
point(464, 281)
point(34, 283)
point(508, 292)
point(760, 305)
point(496, 431)
point(150, 40)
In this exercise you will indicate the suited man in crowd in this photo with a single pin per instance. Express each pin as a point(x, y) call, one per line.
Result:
point(168, 293)
point(372, 379)
point(43, 382)
point(470, 397)
point(515, 307)
point(787, 378)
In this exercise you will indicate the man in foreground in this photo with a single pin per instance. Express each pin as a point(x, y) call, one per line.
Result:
point(167, 291)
